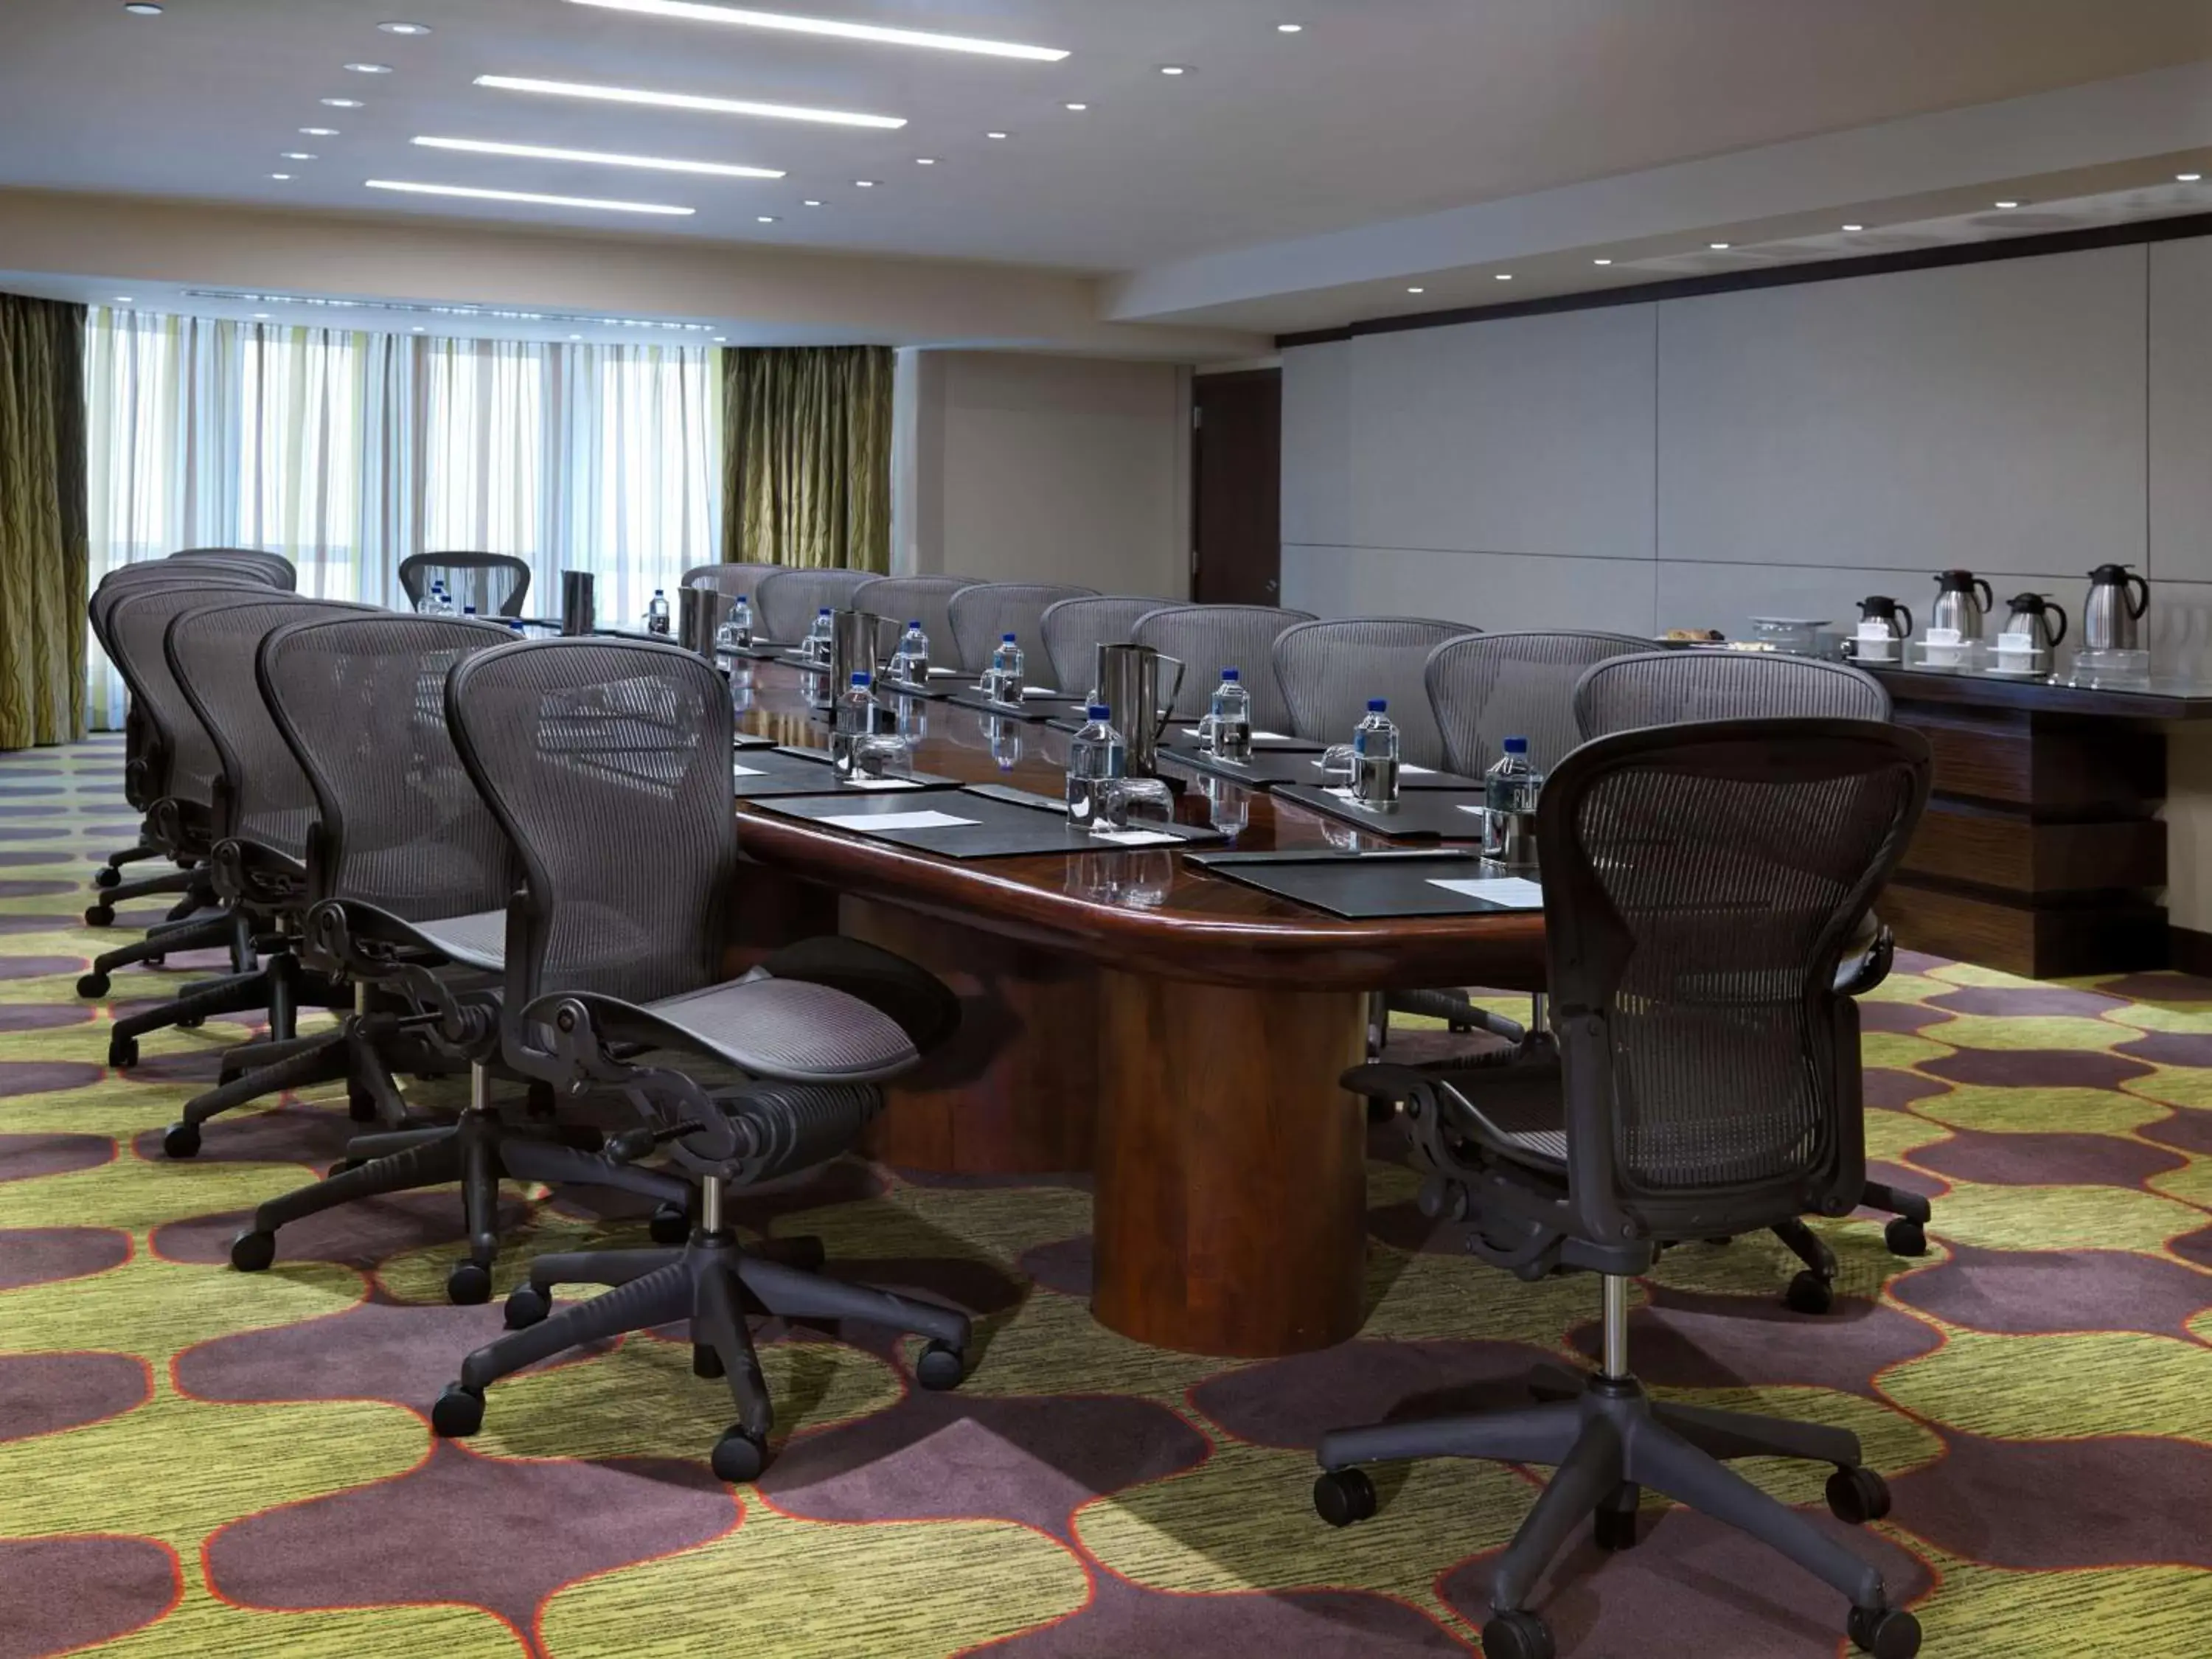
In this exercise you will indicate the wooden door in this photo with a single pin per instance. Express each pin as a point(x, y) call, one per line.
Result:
point(1236, 472)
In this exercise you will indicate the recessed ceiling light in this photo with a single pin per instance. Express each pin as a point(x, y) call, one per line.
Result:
point(1078, 108)
point(810, 202)
point(746, 18)
point(1173, 69)
point(599, 158)
point(418, 328)
point(1502, 277)
point(1853, 227)
point(320, 132)
point(994, 135)
point(141, 8)
point(866, 184)
point(2187, 178)
point(576, 336)
point(1290, 28)
point(370, 68)
point(1600, 262)
point(260, 316)
point(280, 175)
point(1417, 290)
point(766, 218)
point(2005, 205)
point(925, 160)
point(404, 29)
point(834, 117)
point(719, 338)
point(298, 155)
point(341, 103)
point(1719, 247)
point(123, 299)
point(414, 189)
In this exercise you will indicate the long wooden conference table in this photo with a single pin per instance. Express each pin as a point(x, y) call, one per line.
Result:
point(1178, 1034)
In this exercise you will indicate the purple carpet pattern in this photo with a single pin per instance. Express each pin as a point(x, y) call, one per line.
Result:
point(194, 1460)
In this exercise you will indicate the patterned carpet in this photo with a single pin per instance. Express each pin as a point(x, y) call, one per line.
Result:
point(194, 1460)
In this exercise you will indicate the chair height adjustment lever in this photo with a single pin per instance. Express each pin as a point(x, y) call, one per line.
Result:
point(634, 1143)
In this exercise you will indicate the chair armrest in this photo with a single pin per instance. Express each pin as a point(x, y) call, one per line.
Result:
point(253, 872)
point(1868, 963)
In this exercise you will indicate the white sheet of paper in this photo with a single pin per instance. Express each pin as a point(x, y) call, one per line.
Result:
point(1406, 766)
point(896, 821)
point(1135, 837)
point(737, 769)
point(1515, 892)
point(1040, 690)
point(937, 673)
point(879, 783)
point(1257, 736)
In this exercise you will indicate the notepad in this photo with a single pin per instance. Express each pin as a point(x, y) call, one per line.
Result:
point(1513, 892)
point(1406, 766)
point(877, 783)
point(746, 771)
point(873, 821)
point(1135, 837)
point(1257, 736)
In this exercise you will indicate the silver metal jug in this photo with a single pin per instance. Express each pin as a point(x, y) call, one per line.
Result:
point(2112, 616)
point(577, 615)
point(860, 642)
point(699, 613)
point(1127, 679)
point(1962, 600)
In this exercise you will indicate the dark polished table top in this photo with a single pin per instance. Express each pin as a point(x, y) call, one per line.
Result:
point(1148, 911)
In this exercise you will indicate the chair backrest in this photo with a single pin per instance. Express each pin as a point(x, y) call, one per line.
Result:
point(1074, 629)
point(1208, 638)
point(160, 573)
point(496, 583)
point(924, 599)
point(261, 794)
point(361, 700)
point(178, 759)
point(607, 762)
point(786, 602)
point(1665, 688)
point(1328, 670)
point(1701, 883)
point(1491, 687)
point(280, 570)
point(730, 579)
point(982, 616)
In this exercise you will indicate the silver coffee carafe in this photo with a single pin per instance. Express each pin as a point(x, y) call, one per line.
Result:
point(2111, 616)
point(1127, 679)
point(1962, 600)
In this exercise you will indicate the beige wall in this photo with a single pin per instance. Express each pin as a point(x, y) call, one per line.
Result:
point(1017, 467)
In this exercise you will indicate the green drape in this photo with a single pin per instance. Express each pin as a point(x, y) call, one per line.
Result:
point(43, 553)
point(807, 456)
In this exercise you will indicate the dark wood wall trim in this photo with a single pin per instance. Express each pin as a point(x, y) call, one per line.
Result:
point(2178, 228)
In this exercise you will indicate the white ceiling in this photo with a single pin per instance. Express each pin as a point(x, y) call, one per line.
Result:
point(1379, 111)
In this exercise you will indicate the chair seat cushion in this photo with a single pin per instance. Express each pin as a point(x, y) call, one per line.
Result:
point(788, 1028)
point(477, 941)
point(1516, 1111)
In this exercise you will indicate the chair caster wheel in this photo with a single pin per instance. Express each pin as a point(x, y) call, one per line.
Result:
point(1808, 1293)
point(939, 1367)
point(92, 985)
point(458, 1412)
point(1906, 1236)
point(469, 1285)
point(1615, 1529)
point(738, 1457)
point(181, 1141)
point(670, 1225)
point(1341, 1497)
point(706, 1363)
point(108, 875)
point(1858, 1495)
point(99, 916)
point(1885, 1632)
point(527, 1305)
point(122, 1052)
point(1517, 1635)
point(252, 1251)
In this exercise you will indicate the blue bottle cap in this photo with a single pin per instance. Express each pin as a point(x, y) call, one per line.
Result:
point(1097, 711)
point(1228, 674)
point(916, 623)
point(468, 611)
point(1516, 745)
point(824, 612)
point(1377, 705)
point(742, 599)
point(1006, 639)
point(514, 625)
point(859, 676)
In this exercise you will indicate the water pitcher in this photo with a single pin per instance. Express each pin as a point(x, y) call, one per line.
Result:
point(1128, 678)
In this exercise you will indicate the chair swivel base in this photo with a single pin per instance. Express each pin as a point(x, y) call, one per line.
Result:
point(1607, 1444)
point(478, 1151)
point(712, 1283)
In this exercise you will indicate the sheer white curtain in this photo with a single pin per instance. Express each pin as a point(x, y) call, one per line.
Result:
point(347, 452)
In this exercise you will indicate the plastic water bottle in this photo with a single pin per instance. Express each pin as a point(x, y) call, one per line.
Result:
point(817, 637)
point(1095, 754)
point(469, 610)
point(911, 663)
point(1509, 789)
point(514, 627)
point(855, 718)
point(1005, 682)
point(1229, 718)
point(427, 604)
point(1375, 756)
point(656, 614)
point(736, 632)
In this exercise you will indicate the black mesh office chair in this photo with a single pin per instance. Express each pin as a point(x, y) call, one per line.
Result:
point(1327, 670)
point(980, 616)
point(408, 876)
point(1489, 687)
point(278, 570)
point(924, 599)
point(608, 765)
point(786, 602)
point(496, 583)
point(1074, 629)
point(732, 581)
point(1661, 688)
point(1701, 885)
point(1208, 638)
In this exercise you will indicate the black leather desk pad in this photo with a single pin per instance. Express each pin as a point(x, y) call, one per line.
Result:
point(782, 771)
point(1364, 886)
point(1272, 769)
point(1034, 709)
point(1004, 822)
point(1416, 815)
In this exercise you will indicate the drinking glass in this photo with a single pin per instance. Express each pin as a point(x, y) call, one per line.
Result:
point(1126, 803)
point(882, 758)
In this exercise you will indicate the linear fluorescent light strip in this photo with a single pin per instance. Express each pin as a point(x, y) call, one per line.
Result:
point(599, 158)
point(692, 11)
point(414, 189)
point(238, 296)
point(835, 118)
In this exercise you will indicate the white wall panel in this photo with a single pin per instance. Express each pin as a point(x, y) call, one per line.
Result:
point(1528, 436)
point(1491, 590)
point(1317, 443)
point(1979, 414)
point(2181, 410)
